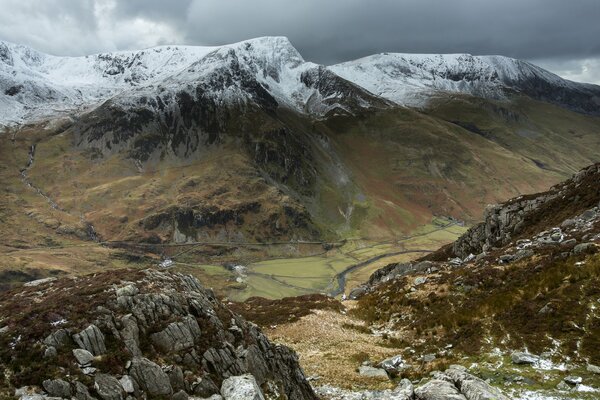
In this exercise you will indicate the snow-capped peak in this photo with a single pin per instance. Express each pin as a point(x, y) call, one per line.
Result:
point(36, 85)
point(413, 79)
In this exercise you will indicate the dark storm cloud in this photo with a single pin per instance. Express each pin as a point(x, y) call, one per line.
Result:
point(557, 33)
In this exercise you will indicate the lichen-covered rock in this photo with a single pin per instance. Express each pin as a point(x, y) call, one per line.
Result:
point(83, 357)
point(91, 339)
point(519, 357)
point(163, 330)
point(57, 387)
point(437, 389)
point(108, 387)
point(58, 339)
point(242, 387)
point(150, 377)
point(177, 335)
point(472, 387)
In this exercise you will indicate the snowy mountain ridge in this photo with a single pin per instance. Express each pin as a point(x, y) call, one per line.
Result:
point(411, 79)
point(34, 85)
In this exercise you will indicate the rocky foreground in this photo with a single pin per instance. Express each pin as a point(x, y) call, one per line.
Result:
point(137, 334)
point(151, 334)
point(516, 297)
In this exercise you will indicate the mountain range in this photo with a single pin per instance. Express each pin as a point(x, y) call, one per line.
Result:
point(249, 142)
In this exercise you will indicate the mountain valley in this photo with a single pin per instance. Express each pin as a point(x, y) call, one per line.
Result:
point(162, 208)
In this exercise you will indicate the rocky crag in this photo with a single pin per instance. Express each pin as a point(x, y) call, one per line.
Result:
point(137, 334)
point(516, 296)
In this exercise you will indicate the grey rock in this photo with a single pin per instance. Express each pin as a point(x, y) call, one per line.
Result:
point(404, 391)
point(130, 334)
point(472, 387)
point(547, 309)
point(128, 290)
point(521, 254)
point(91, 339)
point(506, 258)
point(556, 236)
point(593, 369)
point(150, 377)
point(524, 358)
point(50, 352)
point(83, 357)
point(177, 335)
point(242, 387)
point(180, 395)
point(57, 387)
point(357, 292)
point(569, 243)
point(204, 387)
point(372, 372)
point(584, 248)
point(393, 365)
point(108, 387)
point(567, 223)
point(127, 384)
point(176, 378)
point(428, 358)
point(563, 386)
point(589, 215)
point(437, 389)
point(82, 392)
point(420, 280)
point(89, 370)
point(573, 380)
point(59, 339)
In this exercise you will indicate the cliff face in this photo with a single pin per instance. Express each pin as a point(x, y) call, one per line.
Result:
point(145, 334)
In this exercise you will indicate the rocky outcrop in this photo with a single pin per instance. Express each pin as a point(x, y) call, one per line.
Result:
point(505, 222)
point(453, 384)
point(91, 339)
point(241, 388)
point(149, 334)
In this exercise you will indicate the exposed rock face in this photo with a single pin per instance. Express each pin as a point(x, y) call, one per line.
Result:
point(502, 223)
point(91, 339)
point(150, 377)
point(158, 334)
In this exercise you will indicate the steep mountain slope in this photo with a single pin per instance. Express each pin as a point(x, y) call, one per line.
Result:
point(35, 85)
point(249, 143)
point(413, 79)
point(526, 279)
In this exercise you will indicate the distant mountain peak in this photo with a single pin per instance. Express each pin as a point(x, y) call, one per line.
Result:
point(34, 85)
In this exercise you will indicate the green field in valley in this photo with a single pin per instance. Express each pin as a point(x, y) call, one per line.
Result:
point(283, 277)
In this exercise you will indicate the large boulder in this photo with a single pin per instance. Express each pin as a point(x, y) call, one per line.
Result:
point(522, 358)
point(472, 387)
point(372, 372)
point(150, 377)
point(108, 387)
point(437, 389)
point(393, 365)
point(243, 387)
point(57, 388)
point(91, 339)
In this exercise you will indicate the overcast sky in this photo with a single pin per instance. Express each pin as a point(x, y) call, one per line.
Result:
point(560, 35)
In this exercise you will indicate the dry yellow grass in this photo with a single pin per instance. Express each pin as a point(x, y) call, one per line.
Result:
point(327, 347)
